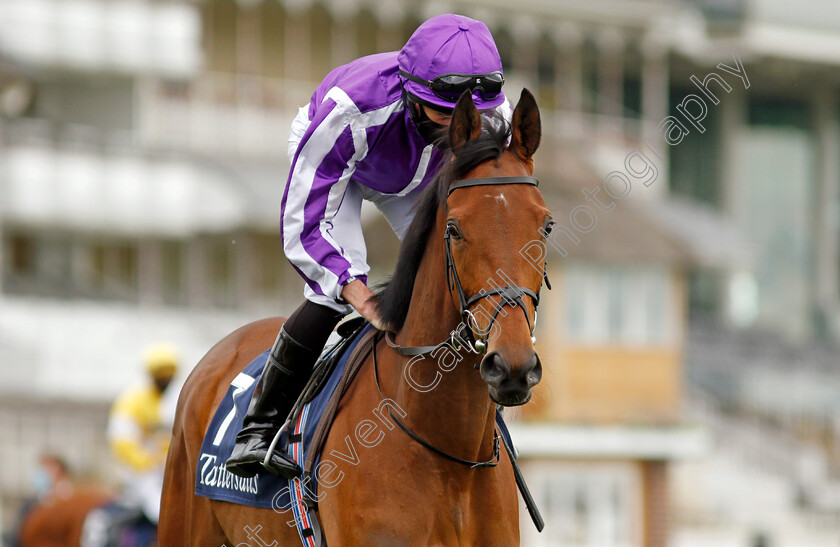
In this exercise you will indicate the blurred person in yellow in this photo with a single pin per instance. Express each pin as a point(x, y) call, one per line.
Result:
point(139, 433)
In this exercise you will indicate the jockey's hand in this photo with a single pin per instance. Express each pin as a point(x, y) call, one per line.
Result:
point(359, 296)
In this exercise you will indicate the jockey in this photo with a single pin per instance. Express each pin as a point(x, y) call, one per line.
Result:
point(374, 130)
point(139, 436)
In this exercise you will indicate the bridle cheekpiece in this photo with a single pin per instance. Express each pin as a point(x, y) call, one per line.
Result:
point(509, 295)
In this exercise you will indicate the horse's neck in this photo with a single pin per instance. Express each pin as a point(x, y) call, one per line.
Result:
point(456, 414)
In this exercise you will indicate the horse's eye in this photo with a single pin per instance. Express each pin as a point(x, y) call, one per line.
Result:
point(453, 231)
point(547, 227)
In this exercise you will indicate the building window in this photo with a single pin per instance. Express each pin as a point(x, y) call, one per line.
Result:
point(627, 305)
point(585, 505)
point(172, 272)
point(589, 77)
point(366, 32)
point(320, 42)
point(70, 266)
point(546, 71)
point(695, 164)
point(504, 43)
point(632, 95)
point(270, 261)
point(21, 255)
point(38, 265)
point(616, 298)
point(221, 273)
point(112, 270)
point(19, 262)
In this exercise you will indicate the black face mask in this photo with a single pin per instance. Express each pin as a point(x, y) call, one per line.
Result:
point(432, 133)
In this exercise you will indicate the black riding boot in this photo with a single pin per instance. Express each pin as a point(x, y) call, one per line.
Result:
point(286, 373)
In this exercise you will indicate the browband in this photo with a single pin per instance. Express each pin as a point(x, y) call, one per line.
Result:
point(485, 181)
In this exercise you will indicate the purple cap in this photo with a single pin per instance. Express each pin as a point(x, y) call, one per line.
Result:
point(448, 44)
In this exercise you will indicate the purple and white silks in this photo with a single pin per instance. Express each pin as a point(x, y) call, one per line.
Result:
point(353, 141)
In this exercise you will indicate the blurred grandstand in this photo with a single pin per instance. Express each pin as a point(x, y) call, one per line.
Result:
point(691, 391)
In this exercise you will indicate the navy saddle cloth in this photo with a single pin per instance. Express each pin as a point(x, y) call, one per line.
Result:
point(263, 490)
point(266, 490)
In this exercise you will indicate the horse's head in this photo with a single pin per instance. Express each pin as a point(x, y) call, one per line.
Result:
point(488, 222)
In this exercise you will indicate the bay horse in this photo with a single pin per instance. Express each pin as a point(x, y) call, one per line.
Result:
point(399, 492)
point(63, 521)
point(58, 521)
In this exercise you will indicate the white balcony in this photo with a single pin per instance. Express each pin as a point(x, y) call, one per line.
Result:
point(120, 35)
point(228, 114)
point(45, 183)
point(95, 349)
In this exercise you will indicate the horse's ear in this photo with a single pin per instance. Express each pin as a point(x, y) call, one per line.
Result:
point(526, 128)
point(466, 122)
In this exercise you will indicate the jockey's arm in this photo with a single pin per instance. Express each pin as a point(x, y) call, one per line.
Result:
point(134, 455)
point(322, 167)
point(359, 295)
point(126, 435)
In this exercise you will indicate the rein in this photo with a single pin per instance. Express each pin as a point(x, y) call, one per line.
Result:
point(462, 337)
point(492, 462)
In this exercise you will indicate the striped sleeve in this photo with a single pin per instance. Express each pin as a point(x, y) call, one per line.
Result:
point(321, 169)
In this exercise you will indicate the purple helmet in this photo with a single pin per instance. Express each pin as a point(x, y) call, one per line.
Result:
point(448, 54)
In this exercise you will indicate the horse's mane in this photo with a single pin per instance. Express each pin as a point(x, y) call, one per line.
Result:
point(392, 298)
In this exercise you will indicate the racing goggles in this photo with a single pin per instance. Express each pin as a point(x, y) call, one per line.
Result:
point(449, 87)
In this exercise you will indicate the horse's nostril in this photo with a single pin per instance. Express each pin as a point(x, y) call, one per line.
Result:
point(494, 369)
point(534, 371)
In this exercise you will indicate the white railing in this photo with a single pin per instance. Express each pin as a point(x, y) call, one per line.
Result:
point(122, 35)
point(250, 116)
point(772, 450)
point(221, 113)
point(236, 115)
point(92, 184)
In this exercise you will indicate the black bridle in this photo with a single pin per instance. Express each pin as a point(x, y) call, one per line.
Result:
point(462, 337)
point(509, 295)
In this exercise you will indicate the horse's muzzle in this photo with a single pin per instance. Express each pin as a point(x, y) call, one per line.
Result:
point(510, 386)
